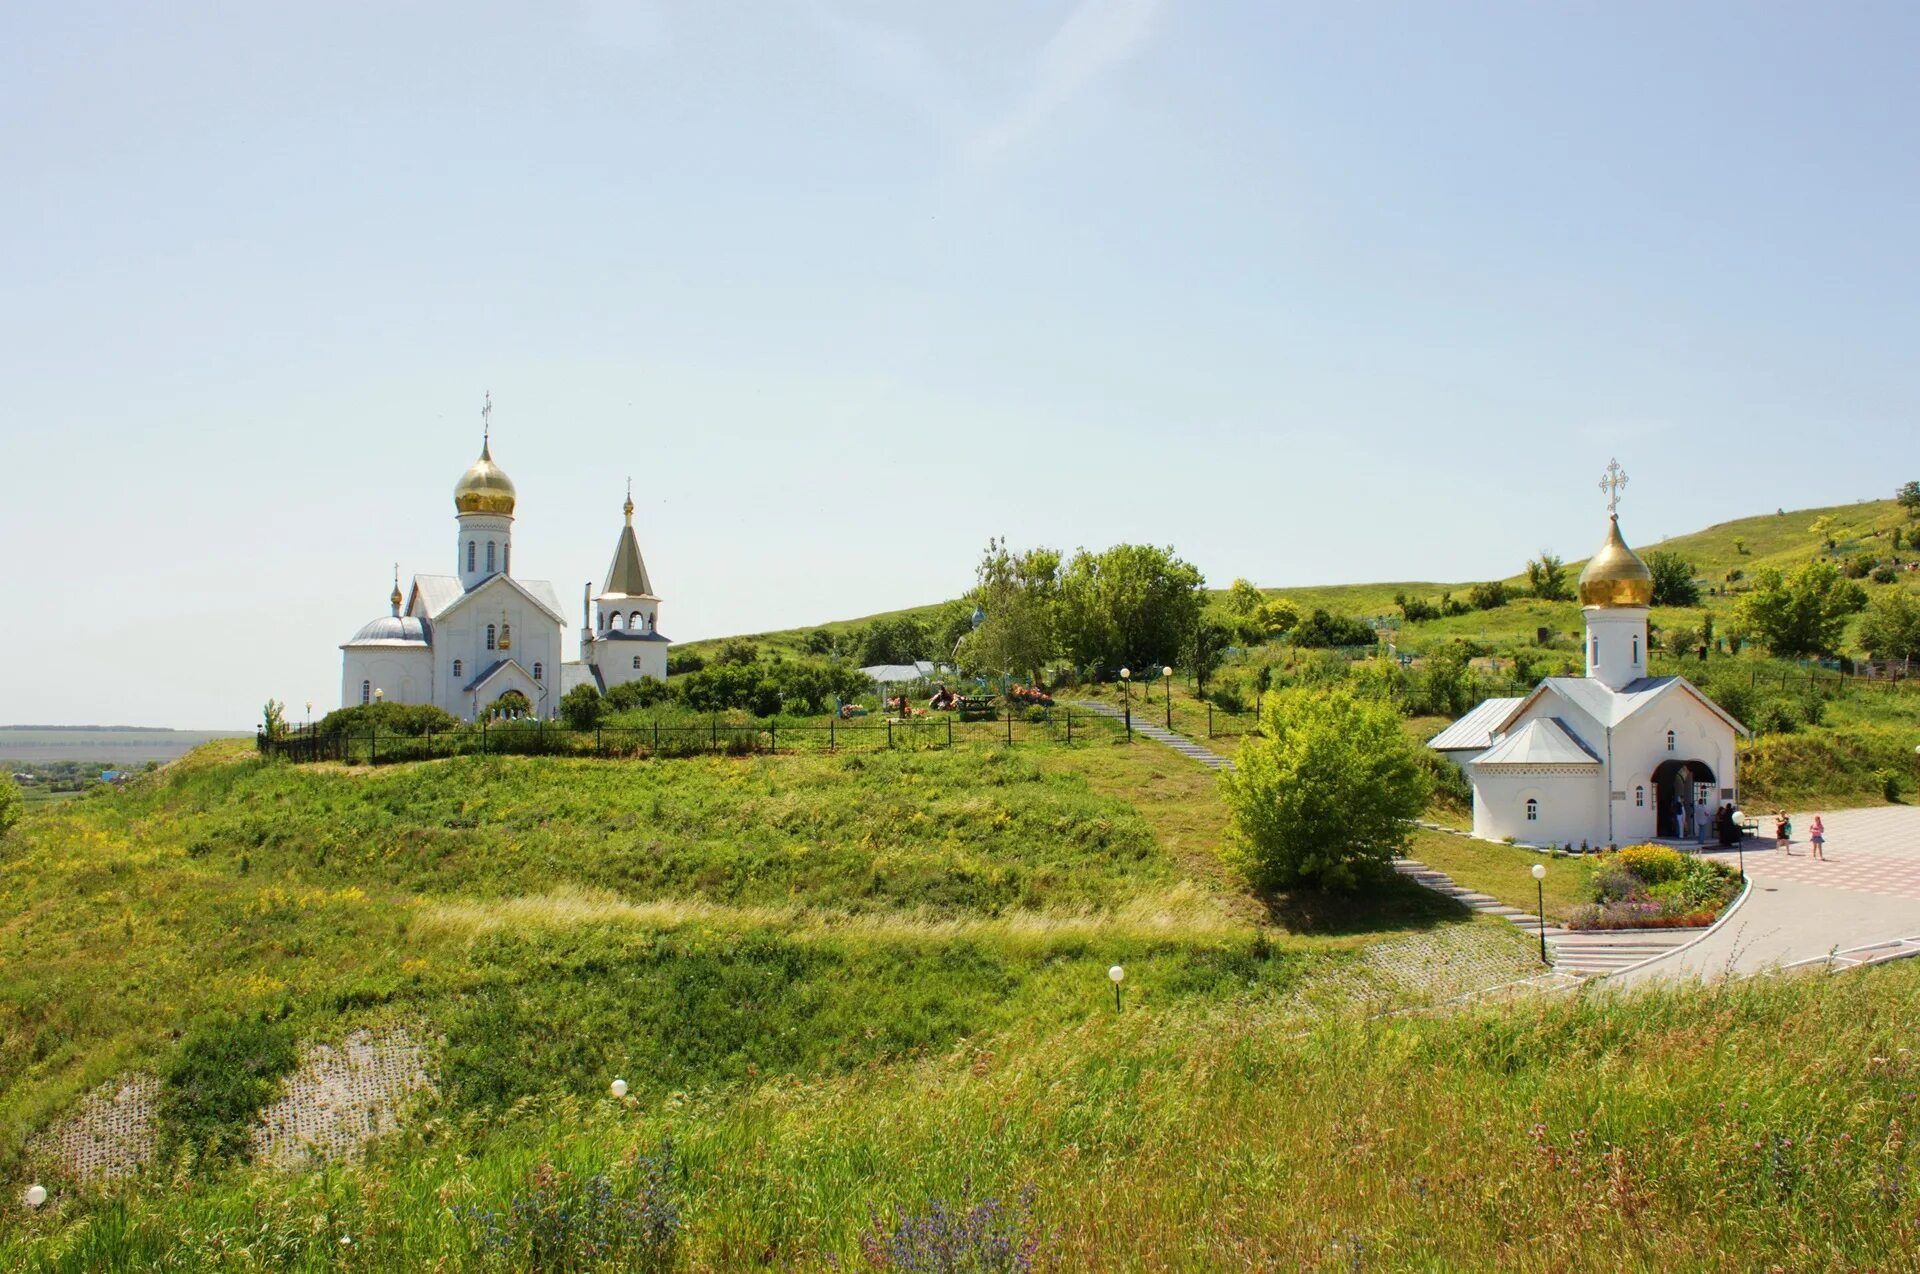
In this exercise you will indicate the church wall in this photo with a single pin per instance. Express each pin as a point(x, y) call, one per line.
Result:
point(402, 675)
point(1569, 810)
point(615, 660)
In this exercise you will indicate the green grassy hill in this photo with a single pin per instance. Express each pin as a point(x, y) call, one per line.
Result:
point(844, 988)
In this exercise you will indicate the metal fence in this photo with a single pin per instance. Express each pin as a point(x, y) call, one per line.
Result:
point(715, 737)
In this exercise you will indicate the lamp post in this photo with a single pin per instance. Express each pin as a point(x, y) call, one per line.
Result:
point(1117, 974)
point(1166, 691)
point(309, 716)
point(1540, 892)
point(1126, 695)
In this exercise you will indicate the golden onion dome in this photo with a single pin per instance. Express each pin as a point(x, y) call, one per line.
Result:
point(484, 487)
point(1616, 576)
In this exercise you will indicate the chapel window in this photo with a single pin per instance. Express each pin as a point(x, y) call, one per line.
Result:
point(1596, 652)
point(1640, 797)
point(1533, 810)
point(1636, 650)
point(469, 555)
point(636, 661)
point(633, 621)
point(456, 667)
point(1672, 741)
point(489, 557)
point(366, 692)
point(490, 636)
point(537, 673)
point(616, 621)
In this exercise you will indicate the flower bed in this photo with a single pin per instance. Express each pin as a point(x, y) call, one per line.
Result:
point(1654, 887)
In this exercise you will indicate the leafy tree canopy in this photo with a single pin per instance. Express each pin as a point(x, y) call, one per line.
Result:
point(1547, 578)
point(12, 806)
point(1672, 579)
point(1323, 628)
point(1019, 596)
point(1326, 795)
point(1243, 599)
point(1801, 613)
point(581, 706)
point(1131, 605)
point(1909, 497)
point(1891, 627)
point(899, 640)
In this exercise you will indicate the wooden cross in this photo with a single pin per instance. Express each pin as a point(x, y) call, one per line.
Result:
point(1615, 480)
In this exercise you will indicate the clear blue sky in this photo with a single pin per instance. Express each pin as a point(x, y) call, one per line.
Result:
point(1314, 293)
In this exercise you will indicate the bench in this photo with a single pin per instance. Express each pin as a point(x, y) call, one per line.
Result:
point(975, 707)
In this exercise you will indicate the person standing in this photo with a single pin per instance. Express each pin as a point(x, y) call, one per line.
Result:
point(1700, 820)
point(1817, 835)
point(1782, 833)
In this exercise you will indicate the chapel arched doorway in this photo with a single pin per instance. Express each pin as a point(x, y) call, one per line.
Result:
point(1676, 788)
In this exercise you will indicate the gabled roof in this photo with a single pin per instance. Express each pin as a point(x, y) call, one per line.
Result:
point(537, 591)
point(493, 670)
point(432, 594)
point(627, 577)
point(1541, 741)
point(1474, 731)
point(1611, 707)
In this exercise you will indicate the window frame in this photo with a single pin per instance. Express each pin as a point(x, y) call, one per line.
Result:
point(1533, 809)
point(491, 633)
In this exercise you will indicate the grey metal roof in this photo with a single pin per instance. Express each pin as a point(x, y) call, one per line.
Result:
point(1611, 707)
point(393, 630)
point(494, 669)
point(537, 591)
point(622, 634)
point(1474, 731)
point(1541, 741)
point(437, 592)
point(900, 672)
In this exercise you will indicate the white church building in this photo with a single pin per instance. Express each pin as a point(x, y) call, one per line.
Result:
point(1612, 758)
point(463, 640)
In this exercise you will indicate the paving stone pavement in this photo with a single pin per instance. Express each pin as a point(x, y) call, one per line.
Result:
point(1160, 734)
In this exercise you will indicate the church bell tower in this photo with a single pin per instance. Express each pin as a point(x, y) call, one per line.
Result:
point(1616, 588)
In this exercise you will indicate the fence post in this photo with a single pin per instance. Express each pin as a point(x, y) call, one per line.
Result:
point(1009, 712)
point(1069, 725)
point(599, 749)
point(949, 732)
point(483, 736)
point(773, 740)
point(830, 720)
point(373, 745)
point(889, 732)
point(1209, 721)
point(429, 743)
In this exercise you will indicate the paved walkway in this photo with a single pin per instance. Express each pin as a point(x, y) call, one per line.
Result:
point(1180, 743)
point(1866, 895)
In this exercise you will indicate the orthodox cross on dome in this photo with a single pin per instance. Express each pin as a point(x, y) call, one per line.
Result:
point(486, 423)
point(1614, 481)
point(628, 508)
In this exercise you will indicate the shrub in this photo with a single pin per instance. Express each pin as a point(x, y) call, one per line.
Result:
point(1326, 794)
point(1491, 595)
point(565, 1223)
point(687, 662)
point(1652, 863)
point(1323, 628)
point(581, 706)
point(1889, 786)
point(12, 806)
point(987, 1237)
point(388, 718)
point(643, 693)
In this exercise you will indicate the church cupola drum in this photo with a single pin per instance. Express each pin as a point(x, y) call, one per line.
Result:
point(480, 637)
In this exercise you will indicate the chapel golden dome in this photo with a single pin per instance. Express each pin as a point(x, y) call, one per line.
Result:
point(1616, 576)
point(484, 487)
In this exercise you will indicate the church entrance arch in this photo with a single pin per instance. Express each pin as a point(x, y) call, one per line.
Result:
point(1676, 787)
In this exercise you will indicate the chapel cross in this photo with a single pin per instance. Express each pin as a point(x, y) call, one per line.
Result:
point(1615, 480)
point(486, 422)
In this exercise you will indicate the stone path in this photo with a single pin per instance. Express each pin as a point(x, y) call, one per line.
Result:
point(1584, 954)
point(1160, 734)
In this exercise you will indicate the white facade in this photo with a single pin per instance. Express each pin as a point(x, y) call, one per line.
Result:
point(462, 640)
point(1612, 758)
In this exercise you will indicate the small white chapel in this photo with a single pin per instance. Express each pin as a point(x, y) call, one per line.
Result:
point(464, 640)
point(1612, 758)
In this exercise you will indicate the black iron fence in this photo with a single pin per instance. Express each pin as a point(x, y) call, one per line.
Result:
point(680, 738)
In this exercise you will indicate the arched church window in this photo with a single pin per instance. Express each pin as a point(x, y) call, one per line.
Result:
point(636, 661)
point(1533, 810)
point(506, 559)
point(1639, 796)
point(490, 636)
point(366, 692)
point(489, 557)
point(456, 667)
point(633, 621)
point(615, 621)
point(538, 673)
point(1672, 741)
point(469, 554)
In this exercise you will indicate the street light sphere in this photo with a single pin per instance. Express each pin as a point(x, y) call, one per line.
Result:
point(36, 1195)
point(618, 1088)
point(1125, 673)
point(1539, 871)
point(1116, 973)
point(1167, 671)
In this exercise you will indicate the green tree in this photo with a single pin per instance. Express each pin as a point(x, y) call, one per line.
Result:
point(1547, 578)
point(899, 640)
point(581, 706)
point(1491, 595)
point(1446, 685)
point(1206, 648)
point(1325, 629)
point(1243, 599)
point(1326, 794)
point(819, 642)
point(1133, 604)
point(273, 719)
point(1891, 627)
point(1672, 579)
point(1276, 617)
point(1909, 497)
point(1019, 596)
point(13, 806)
point(1803, 612)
